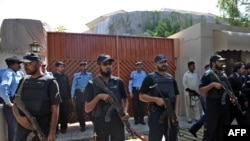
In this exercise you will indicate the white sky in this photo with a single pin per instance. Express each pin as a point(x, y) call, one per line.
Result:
point(74, 14)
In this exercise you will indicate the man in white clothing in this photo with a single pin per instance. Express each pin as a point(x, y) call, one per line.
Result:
point(191, 97)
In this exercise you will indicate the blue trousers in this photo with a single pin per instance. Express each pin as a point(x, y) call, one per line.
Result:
point(195, 127)
point(11, 122)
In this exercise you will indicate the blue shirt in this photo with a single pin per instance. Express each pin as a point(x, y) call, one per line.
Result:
point(80, 81)
point(9, 83)
point(136, 79)
point(50, 74)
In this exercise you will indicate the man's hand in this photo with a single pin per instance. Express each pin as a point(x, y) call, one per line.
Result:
point(51, 137)
point(22, 120)
point(217, 85)
point(160, 102)
point(105, 97)
point(10, 105)
point(233, 100)
point(125, 117)
point(131, 95)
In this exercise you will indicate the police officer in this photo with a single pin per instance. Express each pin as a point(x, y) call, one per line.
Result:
point(40, 95)
point(149, 93)
point(64, 88)
point(44, 69)
point(9, 83)
point(98, 101)
point(217, 102)
point(246, 92)
point(80, 81)
point(136, 78)
point(236, 85)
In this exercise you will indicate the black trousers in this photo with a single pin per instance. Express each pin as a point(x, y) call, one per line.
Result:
point(79, 103)
point(215, 119)
point(113, 129)
point(236, 113)
point(138, 106)
point(63, 114)
point(157, 130)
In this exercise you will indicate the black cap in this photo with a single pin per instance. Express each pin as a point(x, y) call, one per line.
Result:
point(103, 58)
point(29, 57)
point(216, 58)
point(12, 60)
point(58, 63)
point(138, 63)
point(83, 63)
point(160, 58)
point(247, 66)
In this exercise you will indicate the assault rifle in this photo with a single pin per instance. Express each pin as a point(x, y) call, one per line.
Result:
point(228, 92)
point(192, 92)
point(169, 111)
point(21, 106)
point(117, 107)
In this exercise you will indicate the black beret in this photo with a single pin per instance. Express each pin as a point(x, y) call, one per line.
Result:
point(83, 63)
point(138, 63)
point(160, 58)
point(215, 58)
point(29, 57)
point(103, 58)
point(58, 63)
point(12, 60)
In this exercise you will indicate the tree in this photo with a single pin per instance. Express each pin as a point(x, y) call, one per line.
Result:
point(236, 12)
point(165, 28)
point(60, 28)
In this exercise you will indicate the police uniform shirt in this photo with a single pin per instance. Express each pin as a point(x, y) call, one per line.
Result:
point(50, 74)
point(9, 83)
point(80, 81)
point(90, 93)
point(148, 81)
point(136, 79)
point(214, 94)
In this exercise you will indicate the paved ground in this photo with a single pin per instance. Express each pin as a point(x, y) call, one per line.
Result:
point(74, 134)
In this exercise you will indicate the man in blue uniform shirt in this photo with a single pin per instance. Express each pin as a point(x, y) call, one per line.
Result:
point(8, 86)
point(44, 69)
point(79, 83)
point(136, 78)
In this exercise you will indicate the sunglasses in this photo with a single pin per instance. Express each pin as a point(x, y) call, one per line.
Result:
point(107, 63)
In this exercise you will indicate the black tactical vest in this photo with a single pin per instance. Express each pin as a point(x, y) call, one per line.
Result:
point(165, 84)
point(215, 94)
point(102, 107)
point(35, 95)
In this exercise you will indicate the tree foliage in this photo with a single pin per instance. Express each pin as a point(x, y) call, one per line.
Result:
point(60, 28)
point(165, 28)
point(172, 24)
point(236, 12)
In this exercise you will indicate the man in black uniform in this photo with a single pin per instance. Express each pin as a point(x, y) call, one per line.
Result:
point(64, 88)
point(98, 102)
point(40, 94)
point(217, 102)
point(236, 84)
point(148, 93)
point(246, 92)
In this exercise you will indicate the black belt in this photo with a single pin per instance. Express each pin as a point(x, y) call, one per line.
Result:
point(136, 88)
point(80, 90)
